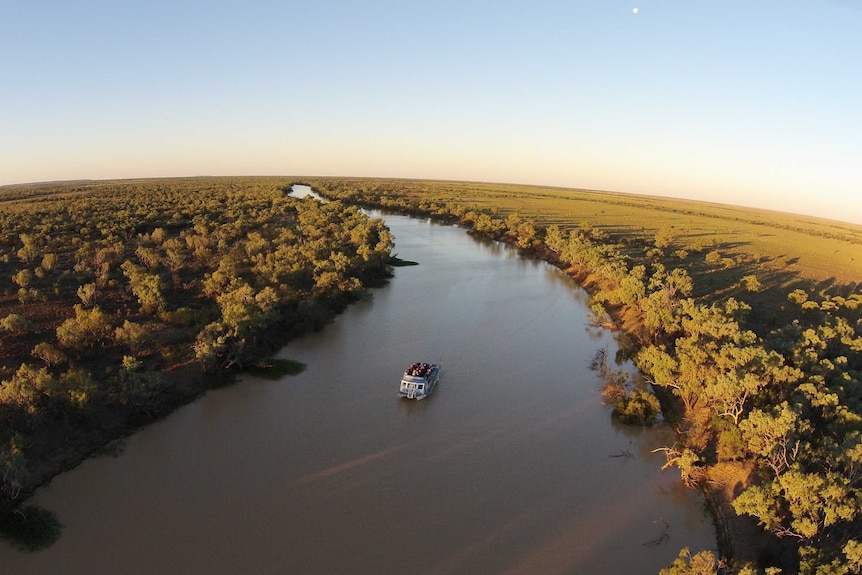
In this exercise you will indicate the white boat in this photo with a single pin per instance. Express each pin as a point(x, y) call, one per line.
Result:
point(419, 380)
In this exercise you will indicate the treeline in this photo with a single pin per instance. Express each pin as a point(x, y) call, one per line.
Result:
point(117, 296)
point(771, 414)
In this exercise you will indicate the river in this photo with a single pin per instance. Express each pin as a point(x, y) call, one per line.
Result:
point(511, 466)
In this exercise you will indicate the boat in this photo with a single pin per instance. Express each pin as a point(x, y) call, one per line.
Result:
point(419, 380)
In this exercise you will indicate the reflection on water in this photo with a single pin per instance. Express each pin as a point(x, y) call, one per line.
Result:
point(510, 466)
point(300, 191)
point(30, 528)
point(113, 449)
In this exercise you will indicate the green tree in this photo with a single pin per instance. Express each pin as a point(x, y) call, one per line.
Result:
point(137, 386)
point(554, 238)
point(773, 436)
point(146, 286)
point(751, 283)
point(23, 277)
point(132, 335)
point(87, 294)
point(29, 252)
point(48, 353)
point(799, 503)
point(702, 563)
point(526, 234)
point(85, 330)
point(664, 237)
point(49, 262)
point(713, 257)
point(17, 324)
point(77, 386)
point(13, 467)
point(148, 256)
point(25, 388)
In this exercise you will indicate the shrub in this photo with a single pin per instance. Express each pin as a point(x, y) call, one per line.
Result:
point(17, 324)
point(639, 407)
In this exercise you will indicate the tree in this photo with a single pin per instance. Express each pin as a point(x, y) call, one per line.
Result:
point(13, 467)
point(661, 308)
point(146, 286)
point(690, 465)
point(17, 324)
point(48, 353)
point(219, 347)
point(137, 386)
point(49, 262)
point(554, 238)
point(26, 387)
point(798, 296)
point(800, 504)
point(132, 335)
point(664, 237)
point(853, 555)
point(526, 233)
point(702, 563)
point(148, 256)
point(486, 224)
point(773, 436)
point(77, 386)
point(174, 258)
point(751, 283)
point(85, 330)
point(30, 251)
point(663, 369)
point(23, 277)
point(87, 294)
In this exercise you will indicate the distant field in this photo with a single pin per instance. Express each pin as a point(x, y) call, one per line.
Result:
point(818, 249)
point(798, 246)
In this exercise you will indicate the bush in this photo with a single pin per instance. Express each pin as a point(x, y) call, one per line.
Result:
point(637, 408)
point(17, 324)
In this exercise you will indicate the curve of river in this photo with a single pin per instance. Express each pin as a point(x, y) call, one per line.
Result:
point(511, 466)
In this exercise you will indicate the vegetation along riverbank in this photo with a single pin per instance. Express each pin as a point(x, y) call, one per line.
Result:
point(748, 324)
point(122, 300)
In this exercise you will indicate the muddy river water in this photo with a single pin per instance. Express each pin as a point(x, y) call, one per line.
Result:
point(511, 466)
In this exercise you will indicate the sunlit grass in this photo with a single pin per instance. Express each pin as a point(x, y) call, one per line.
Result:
point(801, 246)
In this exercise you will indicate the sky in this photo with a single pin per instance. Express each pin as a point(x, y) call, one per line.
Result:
point(752, 102)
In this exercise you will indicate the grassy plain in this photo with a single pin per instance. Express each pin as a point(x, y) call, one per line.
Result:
point(814, 248)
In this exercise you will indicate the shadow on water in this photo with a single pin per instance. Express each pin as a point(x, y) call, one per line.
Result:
point(275, 369)
point(112, 450)
point(30, 528)
point(397, 262)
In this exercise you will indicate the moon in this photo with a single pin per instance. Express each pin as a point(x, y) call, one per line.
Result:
point(634, 10)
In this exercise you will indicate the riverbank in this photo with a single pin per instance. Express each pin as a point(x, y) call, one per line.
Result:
point(108, 320)
point(54, 453)
point(55, 449)
point(739, 538)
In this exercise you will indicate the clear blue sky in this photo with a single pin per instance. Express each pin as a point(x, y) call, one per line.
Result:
point(754, 102)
